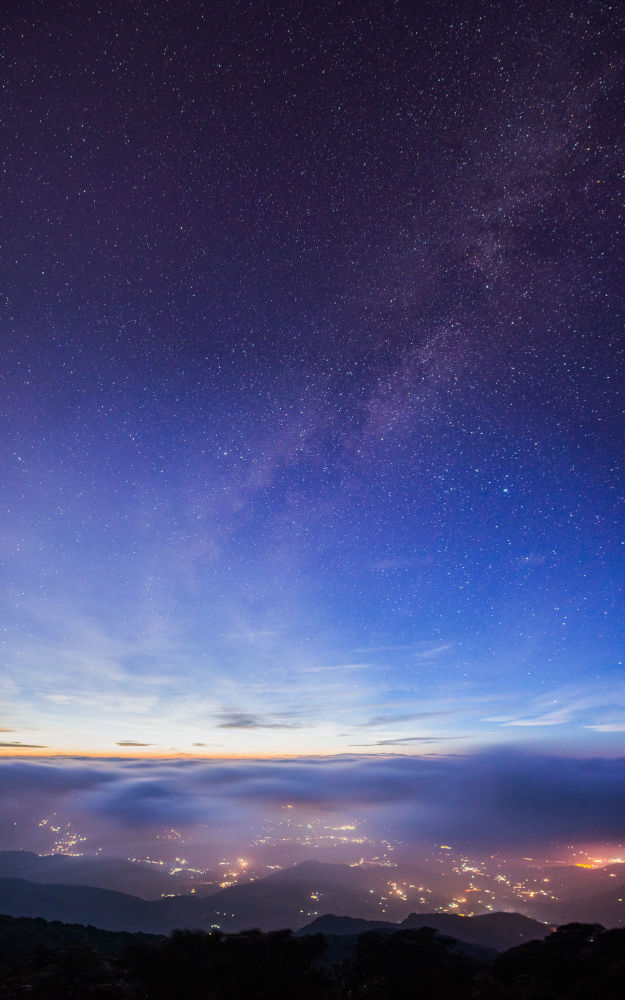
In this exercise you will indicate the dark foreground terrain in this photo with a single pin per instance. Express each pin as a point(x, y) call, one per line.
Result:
point(64, 961)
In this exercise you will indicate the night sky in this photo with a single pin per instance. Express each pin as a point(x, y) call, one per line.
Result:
point(312, 384)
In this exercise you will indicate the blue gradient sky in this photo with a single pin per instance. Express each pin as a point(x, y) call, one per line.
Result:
point(312, 423)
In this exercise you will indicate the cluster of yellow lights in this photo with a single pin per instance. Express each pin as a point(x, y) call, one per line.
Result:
point(598, 862)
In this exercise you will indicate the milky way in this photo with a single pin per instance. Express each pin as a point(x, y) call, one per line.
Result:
point(312, 423)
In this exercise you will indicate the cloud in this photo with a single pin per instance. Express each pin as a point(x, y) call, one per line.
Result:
point(501, 799)
point(389, 719)
point(400, 740)
point(133, 743)
point(335, 666)
point(22, 746)
point(24, 778)
point(149, 803)
point(241, 720)
point(433, 651)
point(566, 705)
point(384, 649)
point(608, 727)
point(556, 718)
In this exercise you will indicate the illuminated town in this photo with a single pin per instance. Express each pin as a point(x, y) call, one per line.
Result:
point(441, 879)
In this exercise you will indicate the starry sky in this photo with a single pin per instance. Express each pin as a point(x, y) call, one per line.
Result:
point(312, 379)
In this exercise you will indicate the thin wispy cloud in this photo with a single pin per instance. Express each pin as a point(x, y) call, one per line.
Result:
point(433, 652)
point(241, 720)
point(608, 727)
point(393, 719)
point(556, 718)
point(568, 705)
point(17, 745)
point(322, 668)
point(400, 740)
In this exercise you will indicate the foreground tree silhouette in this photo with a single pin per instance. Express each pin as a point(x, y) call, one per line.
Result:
point(54, 961)
point(195, 965)
point(408, 965)
point(577, 962)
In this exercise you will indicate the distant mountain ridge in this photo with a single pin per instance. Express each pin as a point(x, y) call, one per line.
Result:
point(271, 903)
point(149, 881)
point(285, 898)
point(288, 898)
point(499, 931)
point(606, 908)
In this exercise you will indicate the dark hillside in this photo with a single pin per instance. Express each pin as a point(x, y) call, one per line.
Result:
point(53, 961)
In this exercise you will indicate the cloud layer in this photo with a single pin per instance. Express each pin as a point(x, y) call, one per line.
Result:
point(490, 800)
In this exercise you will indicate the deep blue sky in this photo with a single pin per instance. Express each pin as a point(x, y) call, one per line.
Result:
point(312, 424)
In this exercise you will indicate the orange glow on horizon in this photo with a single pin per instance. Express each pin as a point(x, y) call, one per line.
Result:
point(17, 753)
point(27, 752)
point(179, 755)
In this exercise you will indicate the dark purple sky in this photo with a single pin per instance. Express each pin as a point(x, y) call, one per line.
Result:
point(312, 422)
